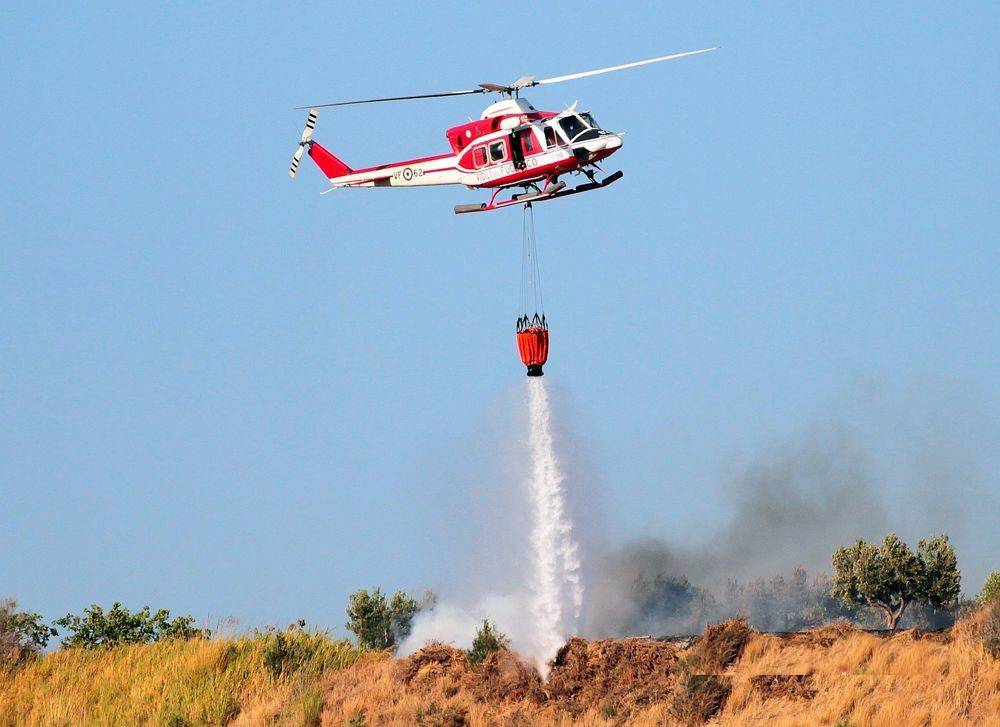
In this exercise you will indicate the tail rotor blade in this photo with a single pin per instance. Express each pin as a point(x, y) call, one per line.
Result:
point(303, 142)
point(310, 125)
point(295, 160)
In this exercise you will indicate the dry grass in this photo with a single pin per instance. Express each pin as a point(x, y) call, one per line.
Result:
point(836, 674)
point(829, 676)
point(870, 680)
point(197, 682)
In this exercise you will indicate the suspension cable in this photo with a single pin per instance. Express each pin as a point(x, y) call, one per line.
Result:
point(531, 301)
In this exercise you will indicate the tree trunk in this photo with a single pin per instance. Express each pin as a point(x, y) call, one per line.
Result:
point(896, 614)
point(891, 613)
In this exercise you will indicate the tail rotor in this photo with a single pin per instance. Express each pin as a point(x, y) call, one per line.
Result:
point(304, 142)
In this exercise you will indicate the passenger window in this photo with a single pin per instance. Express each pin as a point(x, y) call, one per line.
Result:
point(551, 139)
point(497, 152)
point(529, 142)
point(479, 156)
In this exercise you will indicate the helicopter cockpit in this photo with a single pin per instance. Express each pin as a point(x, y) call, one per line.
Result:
point(580, 127)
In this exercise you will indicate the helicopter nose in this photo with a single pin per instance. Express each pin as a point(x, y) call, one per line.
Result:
point(603, 145)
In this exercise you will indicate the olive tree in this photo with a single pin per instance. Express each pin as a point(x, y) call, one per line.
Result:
point(890, 577)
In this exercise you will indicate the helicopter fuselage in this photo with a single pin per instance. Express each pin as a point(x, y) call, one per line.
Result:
point(512, 144)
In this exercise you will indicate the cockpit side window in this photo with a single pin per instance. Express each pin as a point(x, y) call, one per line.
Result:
point(551, 139)
point(573, 126)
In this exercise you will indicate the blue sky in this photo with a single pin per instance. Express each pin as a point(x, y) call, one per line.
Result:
point(225, 394)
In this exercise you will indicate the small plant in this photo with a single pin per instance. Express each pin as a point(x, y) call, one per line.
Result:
point(488, 639)
point(97, 628)
point(295, 649)
point(22, 634)
point(312, 707)
point(609, 710)
point(435, 716)
point(991, 589)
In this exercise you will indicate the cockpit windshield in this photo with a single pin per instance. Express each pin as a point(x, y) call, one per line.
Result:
point(579, 127)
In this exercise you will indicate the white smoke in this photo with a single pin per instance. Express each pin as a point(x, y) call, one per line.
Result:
point(540, 614)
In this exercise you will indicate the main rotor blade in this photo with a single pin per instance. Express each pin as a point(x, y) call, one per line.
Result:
point(584, 74)
point(394, 98)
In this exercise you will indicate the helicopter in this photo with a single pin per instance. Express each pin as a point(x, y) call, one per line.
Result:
point(511, 146)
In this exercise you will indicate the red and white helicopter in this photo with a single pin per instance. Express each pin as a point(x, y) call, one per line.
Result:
point(512, 146)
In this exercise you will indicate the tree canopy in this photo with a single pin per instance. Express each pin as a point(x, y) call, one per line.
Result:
point(891, 576)
point(378, 622)
point(117, 626)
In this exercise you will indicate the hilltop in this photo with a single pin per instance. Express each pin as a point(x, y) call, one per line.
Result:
point(835, 675)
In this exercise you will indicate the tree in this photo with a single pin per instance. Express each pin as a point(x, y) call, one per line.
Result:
point(378, 622)
point(890, 577)
point(402, 609)
point(488, 639)
point(991, 589)
point(97, 628)
point(22, 634)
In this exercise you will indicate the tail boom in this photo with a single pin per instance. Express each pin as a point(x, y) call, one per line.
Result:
point(328, 162)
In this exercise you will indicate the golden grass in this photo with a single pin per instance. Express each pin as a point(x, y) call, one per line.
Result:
point(869, 680)
point(853, 677)
point(196, 682)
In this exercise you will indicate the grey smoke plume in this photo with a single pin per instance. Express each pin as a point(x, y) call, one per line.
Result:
point(791, 506)
point(918, 462)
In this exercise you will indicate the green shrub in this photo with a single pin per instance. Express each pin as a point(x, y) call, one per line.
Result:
point(298, 650)
point(991, 588)
point(312, 707)
point(488, 639)
point(97, 628)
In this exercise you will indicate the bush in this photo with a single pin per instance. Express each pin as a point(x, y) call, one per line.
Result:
point(991, 589)
point(97, 628)
point(380, 623)
point(488, 639)
point(22, 634)
point(295, 649)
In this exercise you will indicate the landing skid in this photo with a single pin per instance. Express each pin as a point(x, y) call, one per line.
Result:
point(550, 192)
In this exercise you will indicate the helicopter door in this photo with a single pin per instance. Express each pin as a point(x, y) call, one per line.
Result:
point(517, 140)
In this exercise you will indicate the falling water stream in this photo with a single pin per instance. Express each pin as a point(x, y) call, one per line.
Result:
point(556, 586)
